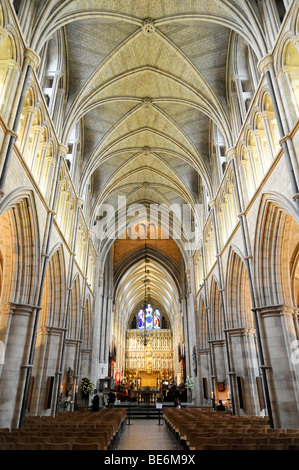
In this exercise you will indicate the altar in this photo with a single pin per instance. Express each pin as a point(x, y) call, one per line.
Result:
point(147, 395)
point(147, 366)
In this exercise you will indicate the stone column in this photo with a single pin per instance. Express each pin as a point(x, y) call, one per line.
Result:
point(220, 371)
point(49, 173)
point(265, 116)
point(244, 358)
point(249, 153)
point(231, 154)
point(223, 308)
point(69, 289)
point(31, 61)
point(279, 332)
point(48, 343)
point(37, 132)
point(12, 68)
point(272, 22)
point(29, 113)
point(267, 68)
point(38, 172)
point(17, 335)
point(260, 151)
point(244, 182)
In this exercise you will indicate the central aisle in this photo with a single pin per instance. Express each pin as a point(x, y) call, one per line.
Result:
point(146, 434)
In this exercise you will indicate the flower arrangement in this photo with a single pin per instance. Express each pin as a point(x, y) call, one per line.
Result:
point(189, 384)
point(86, 386)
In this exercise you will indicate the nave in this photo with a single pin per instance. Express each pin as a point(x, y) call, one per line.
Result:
point(149, 216)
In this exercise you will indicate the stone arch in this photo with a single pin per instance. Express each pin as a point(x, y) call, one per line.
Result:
point(238, 292)
point(53, 299)
point(290, 68)
point(216, 318)
point(202, 326)
point(75, 310)
point(87, 324)
point(276, 251)
point(19, 248)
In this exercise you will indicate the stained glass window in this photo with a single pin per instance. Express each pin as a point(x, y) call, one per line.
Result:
point(141, 319)
point(157, 319)
point(149, 319)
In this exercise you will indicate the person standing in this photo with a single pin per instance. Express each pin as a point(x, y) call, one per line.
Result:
point(95, 404)
point(220, 407)
point(102, 400)
point(111, 399)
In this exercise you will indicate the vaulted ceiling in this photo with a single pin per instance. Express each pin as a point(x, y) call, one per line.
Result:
point(147, 79)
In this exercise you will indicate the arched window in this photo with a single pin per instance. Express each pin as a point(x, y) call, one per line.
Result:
point(141, 319)
point(157, 319)
point(149, 319)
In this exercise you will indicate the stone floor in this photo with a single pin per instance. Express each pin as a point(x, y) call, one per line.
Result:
point(147, 434)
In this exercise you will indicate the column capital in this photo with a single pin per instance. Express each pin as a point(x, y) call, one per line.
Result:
point(275, 310)
point(32, 58)
point(30, 110)
point(241, 331)
point(265, 64)
point(63, 150)
point(212, 203)
point(231, 153)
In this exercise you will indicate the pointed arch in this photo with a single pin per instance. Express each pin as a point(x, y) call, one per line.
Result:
point(20, 247)
point(275, 250)
point(53, 299)
point(216, 318)
point(238, 292)
point(75, 310)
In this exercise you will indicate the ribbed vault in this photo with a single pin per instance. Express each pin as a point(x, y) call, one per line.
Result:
point(147, 83)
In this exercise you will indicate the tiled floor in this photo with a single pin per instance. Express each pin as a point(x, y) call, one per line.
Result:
point(146, 434)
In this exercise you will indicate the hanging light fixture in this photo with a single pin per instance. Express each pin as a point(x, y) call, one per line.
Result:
point(144, 332)
point(145, 297)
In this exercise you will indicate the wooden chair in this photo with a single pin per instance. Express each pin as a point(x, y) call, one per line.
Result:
point(255, 440)
point(216, 447)
point(276, 432)
point(280, 440)
point(57, 446)
point(7, 446)
point(194, 434)
point(28, 446)
point(78, 446)
point(231, 440)
point(272, 447)
point(201, 441)
point(102, 444)
point(4, 430)
point(244, 447)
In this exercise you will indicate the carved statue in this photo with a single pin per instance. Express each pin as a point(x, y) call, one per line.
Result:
point(69, 381)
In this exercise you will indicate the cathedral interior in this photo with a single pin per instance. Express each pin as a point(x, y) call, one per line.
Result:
point(149, 205)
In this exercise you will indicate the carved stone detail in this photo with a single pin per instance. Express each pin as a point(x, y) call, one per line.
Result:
point(148, 28)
